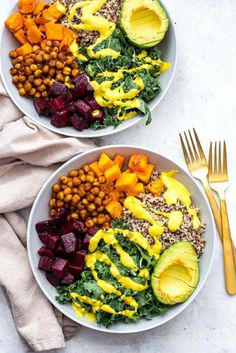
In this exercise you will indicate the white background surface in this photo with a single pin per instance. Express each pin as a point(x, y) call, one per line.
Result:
point(203, 95)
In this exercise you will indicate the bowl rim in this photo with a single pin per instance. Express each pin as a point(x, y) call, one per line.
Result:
point(60, 307)
point(101, 132)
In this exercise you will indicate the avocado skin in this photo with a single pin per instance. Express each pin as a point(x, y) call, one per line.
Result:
point(124, 21)
point(180, 253)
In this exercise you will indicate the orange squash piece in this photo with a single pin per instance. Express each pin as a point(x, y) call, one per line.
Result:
point(105, 162)
point(138, 162)
point(156, 187)
point(113, 173)
point(114, 208)
point(25, 49)
point(146, 174)
point(126, 182)
point(138, 189)
point(34, 35)
point(15, 22)
point(114, 195)
point(20, 36)
point(39, 20)
point(95, 168)
point(43, 43)
point(26, 6)
point(40, 6)
point(68, 38)
point(42, 28)
point(28, 22)
point(119, 160)
point(54, 31)
point(54, 12)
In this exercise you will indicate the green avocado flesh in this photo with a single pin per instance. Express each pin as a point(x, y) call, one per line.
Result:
point(176, 274)
point(145, 22)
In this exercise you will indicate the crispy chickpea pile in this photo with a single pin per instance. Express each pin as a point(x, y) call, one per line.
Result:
point(34, 73)
point(85, 196)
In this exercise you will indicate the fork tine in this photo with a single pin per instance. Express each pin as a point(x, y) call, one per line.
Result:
point(194, 147)
point(210, 170)
point(215, 158)
point(225, 171)
point(219, 158)
point(189, 148)
point(202, 155)
point(186, 156)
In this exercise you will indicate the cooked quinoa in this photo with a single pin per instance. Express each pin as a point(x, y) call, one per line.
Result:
point(186, 231)
point(110, 10)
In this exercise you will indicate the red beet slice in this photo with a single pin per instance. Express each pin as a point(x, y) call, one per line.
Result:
point(92, 103)
point(53, 241)
point(59, 267)
point(54, 281)
point(61, 215)
point(59, 251)
point(74, 226)
point(57, 104)
point(97, 115)
point(45, 251)
point(79, 258)
point(83, 109)
point(43, 237)
point(75, 270)
point(69, 242)
point(78, 122)
point(92, 231)
point(69, 279)
point(59, 89)
point(45, 226)
point(41, 106)
point(60, 118)
point(45, 263)
point(85, 242)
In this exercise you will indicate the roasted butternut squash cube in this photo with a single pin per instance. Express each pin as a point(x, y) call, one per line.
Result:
point(54, 12)
point(28, 22)
point(114, 195)
point(95, 168)
point(15, 22)
point(54, 31)
point(20, 36)
point(34, 35)
point(138, 162)
point(105, 162)
point(27, 6)
point(39, 7)
point(127, 171)
point(119, 160)
point(114, 208)
point(156, 187)
point(138, 189)
point(146, 174)
point(25, 49)
point(113, 173)
point(126, 182)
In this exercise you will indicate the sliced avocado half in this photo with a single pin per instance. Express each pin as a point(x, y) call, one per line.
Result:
point(176, 274)
point(144, 22)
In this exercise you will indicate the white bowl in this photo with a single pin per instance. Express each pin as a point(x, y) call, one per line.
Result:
point(7, 43)
point(39, 212)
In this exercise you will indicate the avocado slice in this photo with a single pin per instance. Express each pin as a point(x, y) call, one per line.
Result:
point(176, 274)
point(144, 22)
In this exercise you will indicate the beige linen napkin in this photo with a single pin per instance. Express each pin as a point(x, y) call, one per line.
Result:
point(28, 156)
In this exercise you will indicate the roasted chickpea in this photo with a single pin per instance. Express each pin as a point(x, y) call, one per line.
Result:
point(91, 207)
point(85, 202)
point(64, 179)
point(96, 183)
point(29, 62)
point(90, 197)
point(70, 184)
point(67, 191)
point(52, 202)
point(81, 172)
point(101, 179)
point(95, 220)
point(74, 191)
point(27, 86)
point(51, 73)
point(33, 67)
point(106, 225)
point(22, 92)
point(52, 213)
point(81, 206)
point(15, 80)
point(87, 186)
point(108, 218)
point(19, 59)
point(76, 181)
point(68, 198)
point(60, 195)
point(60, 203)
point(49, 43)
point(98, 201)
point(101, 194)
point(83, 178)
point(61, 56)
point(52, 63)
point(105, 202)
point(89, 178)
point(41, 88)
point(38, 73)
point(56, 187)
point(60, 77)
point(53, 55)
point(101, 219)
point(37, 82)
point(100, 209)
point(75, 72)
point(83, 213)
point(31, 78)
point(17, 66)
point(46, 81)
point(32, 91)
point(66, 71)
point(19, 85)
point(69, 60)
point(13, 71)
point(73, 173)
point(44, 94)
point(37, 95)
point(28, 71)
point(46, 57)
point(75, 199)
point(81, 193)
point(86, 168)
point(47, 49)
point(36, 47)
point(74, 215)
point(13, 54)
point(95, 190)
point(74, 65)
point(59, 65)
point(56, 43)
point(89, 223)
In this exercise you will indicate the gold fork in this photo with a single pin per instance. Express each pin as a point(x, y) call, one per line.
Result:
point(197, 165)
point(218, 178)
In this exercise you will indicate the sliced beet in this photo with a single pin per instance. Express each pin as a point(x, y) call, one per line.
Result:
point(57, 104)
point(92, 103)
point(59, 267)
point(43, 237)
point(78, 244)
point(54, 281)
point(75, 270)
point(82, 86)
point(69, 279)
point(46, 226)
point(45, 263)
point(53, 241)
point(59, 89)
point(83, 109)
point(45, 251)
point(78, 122)
point(85, 242)
point(60, 251)
point(97, 115)
point(69, 242)
point(79, 258)
point(74, 226)
point(41, 106)
point(61, 215)
point(92, 231)
point(60, 118)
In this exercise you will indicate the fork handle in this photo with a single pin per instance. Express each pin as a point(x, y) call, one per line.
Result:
point(214, 206)
point(229, 262)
